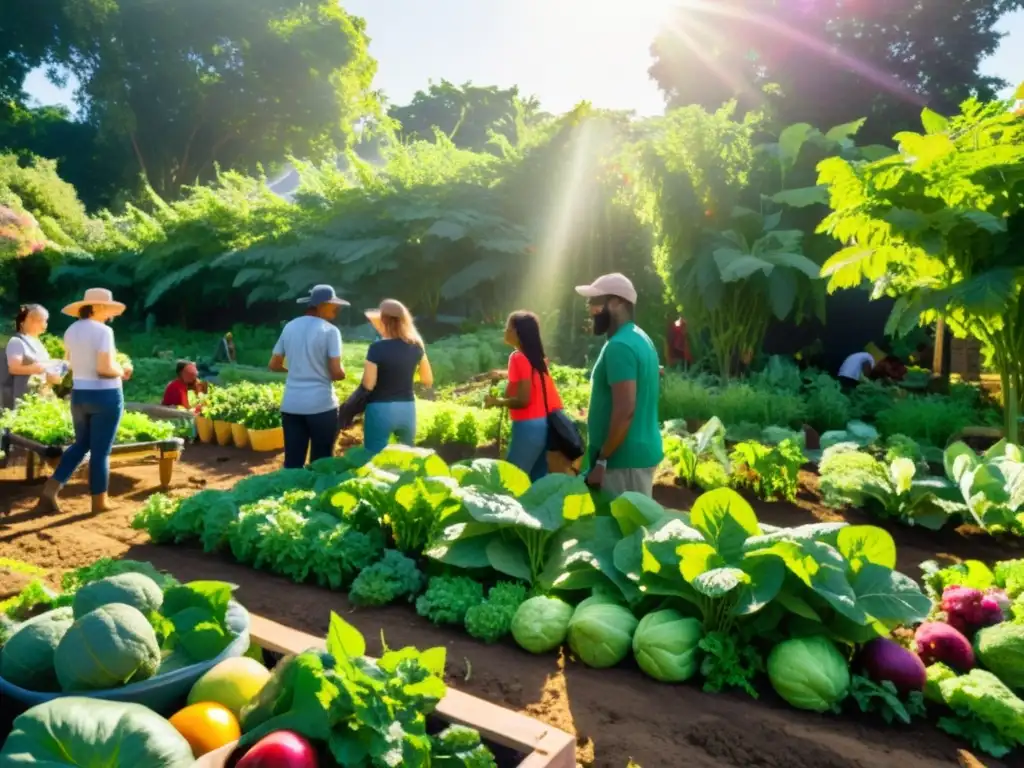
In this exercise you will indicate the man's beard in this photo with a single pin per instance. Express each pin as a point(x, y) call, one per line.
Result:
point(602, 322)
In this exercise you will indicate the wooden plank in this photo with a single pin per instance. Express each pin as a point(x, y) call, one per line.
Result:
point(544, 745)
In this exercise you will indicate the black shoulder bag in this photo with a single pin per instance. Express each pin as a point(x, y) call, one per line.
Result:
point(563, 436)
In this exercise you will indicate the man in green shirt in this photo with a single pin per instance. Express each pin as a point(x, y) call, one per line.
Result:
point(625, 439)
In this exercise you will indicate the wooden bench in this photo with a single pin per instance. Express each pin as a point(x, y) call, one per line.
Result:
point(544, 746)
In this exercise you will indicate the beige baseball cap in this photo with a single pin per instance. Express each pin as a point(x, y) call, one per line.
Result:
point(615, 284)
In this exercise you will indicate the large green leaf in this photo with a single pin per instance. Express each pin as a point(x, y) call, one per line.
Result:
point(462, 545)
point(791, 140)
point(492, 475)
point(863, 544)
point(635, 510)
point(510, 558)
point(823, 569)
point(933, 122)
point(766, 574)
point(404, 458)
point(660, 542)
point(845, 131)
point(782, 292)
point(734, 265)
point(586, 547)
point(497, 509)
point(557, 498)
point(802, 197)
point(718, 582)
point(890, 596)
point(726, 521)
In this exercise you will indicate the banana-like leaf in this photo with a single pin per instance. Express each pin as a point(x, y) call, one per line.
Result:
point(802, 197)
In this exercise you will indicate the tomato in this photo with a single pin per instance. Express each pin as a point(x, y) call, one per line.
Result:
point(206, 726)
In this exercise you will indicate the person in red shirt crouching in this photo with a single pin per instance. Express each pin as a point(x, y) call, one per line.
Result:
point(187, 380)
point(677, 345)
point(531, 395)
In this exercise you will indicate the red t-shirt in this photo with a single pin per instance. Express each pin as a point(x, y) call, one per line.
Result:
point(519, 368)
point(176, 394)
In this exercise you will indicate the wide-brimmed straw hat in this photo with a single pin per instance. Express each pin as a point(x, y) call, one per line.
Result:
point(95, 297)
point(322, 294)
point(387, 308)
point(615, 284)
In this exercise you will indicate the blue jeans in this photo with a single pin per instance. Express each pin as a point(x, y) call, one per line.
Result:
point(96, 414)
point(528, 447)
point(382, 420)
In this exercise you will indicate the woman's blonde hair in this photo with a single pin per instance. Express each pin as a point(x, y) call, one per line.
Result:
point(397, 322)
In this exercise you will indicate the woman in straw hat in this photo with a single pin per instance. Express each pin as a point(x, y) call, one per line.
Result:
point(97, 401)
point(391, 364)
point(309, 351)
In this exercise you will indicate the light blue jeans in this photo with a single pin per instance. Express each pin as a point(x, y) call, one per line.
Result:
point(528, 447)
point(382, 420)
point(96, 414)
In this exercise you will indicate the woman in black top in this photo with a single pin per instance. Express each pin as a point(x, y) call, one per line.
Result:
point(391, 364)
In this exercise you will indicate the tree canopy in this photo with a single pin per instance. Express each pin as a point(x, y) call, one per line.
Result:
point(190, 86)
point(466, 114)
point(833, 61)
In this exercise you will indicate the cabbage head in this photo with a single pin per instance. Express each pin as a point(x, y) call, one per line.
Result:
point(107, 648)
point(26, 659)
point(809, 673)
point(134, 589)
point(665, 646)
point(601, 632)
point(541, 623)
point(1001, 651)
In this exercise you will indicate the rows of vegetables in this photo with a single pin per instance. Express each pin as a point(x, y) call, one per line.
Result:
point(891, 478)
point(109, 653)
point(710, 595)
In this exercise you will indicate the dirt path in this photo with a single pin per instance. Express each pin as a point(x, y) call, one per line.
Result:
point(616, 714)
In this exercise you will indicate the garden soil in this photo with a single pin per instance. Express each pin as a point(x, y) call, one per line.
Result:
point(616, 714)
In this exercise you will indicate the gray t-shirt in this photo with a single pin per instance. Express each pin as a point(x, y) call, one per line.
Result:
point(307, 343)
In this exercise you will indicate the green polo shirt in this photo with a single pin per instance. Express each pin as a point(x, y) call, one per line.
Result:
point(629, 355)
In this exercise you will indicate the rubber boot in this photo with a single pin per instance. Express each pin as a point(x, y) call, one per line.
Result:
point(48, 498)
point(99, 504)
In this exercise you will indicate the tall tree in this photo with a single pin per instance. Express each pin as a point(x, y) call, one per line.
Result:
point(466, 114)
point(833, 61)
point(192, 85)
point(100, 168)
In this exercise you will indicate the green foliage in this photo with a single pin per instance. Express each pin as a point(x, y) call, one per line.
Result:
point(393, 577)
point(938, 226)
point(448, 598)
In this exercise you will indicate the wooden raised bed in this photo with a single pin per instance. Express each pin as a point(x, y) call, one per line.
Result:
point(167, 452)
point(543, 745)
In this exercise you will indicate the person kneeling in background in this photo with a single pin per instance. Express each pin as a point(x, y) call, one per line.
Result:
point(854, 369)
point(176, 395)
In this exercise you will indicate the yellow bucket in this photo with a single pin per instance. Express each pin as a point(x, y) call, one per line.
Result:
point(265, 440)
point(240, 435)
point(204, 429)
point(222, 431)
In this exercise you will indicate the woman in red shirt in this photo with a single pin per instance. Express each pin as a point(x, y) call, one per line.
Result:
point(531, 395)
point(187, 380)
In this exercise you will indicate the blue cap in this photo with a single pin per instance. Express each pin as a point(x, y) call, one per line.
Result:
point(322, 294)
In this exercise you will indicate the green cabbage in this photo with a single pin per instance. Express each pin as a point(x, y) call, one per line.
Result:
point(601, 632)
point(1000, 649)
point(809, 673)
point(541, 623)
point(665, 646)
point(73, 731)
point(26, 659)
point(134, 589)
point(107, 648)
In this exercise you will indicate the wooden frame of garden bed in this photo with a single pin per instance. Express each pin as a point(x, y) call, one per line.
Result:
point(167, 452)
point(544, 746)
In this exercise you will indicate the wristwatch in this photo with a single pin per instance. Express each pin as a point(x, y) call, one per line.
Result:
point(602, 463)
